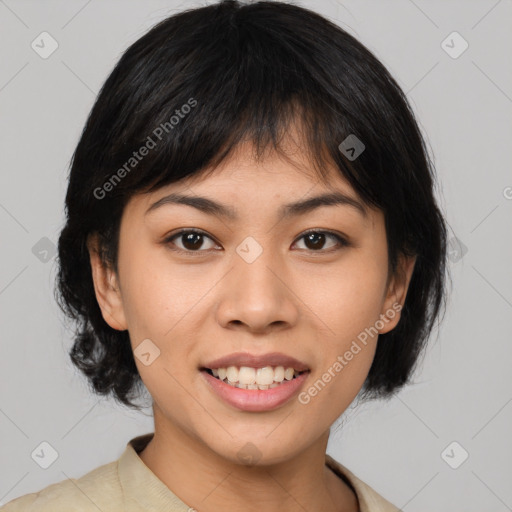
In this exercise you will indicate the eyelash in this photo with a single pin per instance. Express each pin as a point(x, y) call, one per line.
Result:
point(168, 240)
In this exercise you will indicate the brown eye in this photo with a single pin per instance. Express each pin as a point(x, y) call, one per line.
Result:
point(191, 240)
point(315, 240)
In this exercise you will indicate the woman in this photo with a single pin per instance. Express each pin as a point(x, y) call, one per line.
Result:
point(252, 235)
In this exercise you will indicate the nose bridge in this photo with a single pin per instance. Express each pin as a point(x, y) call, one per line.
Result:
point(256, 266)
point(257, 295)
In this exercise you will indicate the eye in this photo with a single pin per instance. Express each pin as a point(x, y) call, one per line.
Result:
point(315, 240)
point(192, 240)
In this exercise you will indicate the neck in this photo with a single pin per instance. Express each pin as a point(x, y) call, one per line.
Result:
point(208, 482)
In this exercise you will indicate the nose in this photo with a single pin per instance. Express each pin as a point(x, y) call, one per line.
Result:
point(258, 296)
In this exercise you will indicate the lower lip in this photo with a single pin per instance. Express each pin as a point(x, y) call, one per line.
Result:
point(256, 400)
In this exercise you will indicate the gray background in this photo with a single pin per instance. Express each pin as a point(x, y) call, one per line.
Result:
point(462, 392)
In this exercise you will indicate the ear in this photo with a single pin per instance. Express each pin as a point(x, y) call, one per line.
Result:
point(106, 287)
point(396, 293)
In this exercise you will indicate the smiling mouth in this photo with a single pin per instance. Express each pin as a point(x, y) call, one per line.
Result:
point(245, 377)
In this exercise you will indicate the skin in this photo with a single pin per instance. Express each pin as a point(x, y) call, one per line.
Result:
point(306, 302)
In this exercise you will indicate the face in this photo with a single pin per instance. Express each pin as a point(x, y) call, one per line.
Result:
point(311, 285)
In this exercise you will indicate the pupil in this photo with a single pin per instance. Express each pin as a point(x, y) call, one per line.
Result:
point(317, 240)
point(194, 239)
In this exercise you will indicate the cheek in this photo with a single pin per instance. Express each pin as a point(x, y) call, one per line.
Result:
point(154, 295)
point(158, 301)
point(335, 384)
point(347, 302)
point(348, 298)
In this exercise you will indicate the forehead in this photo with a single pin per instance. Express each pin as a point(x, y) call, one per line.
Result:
point(287, 173)
point(291, 160)
point(282, 183)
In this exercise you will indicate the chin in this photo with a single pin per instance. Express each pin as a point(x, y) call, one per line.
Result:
point(262, 449)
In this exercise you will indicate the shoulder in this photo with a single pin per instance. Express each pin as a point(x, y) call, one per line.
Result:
point(369, 499)
point(97, 490)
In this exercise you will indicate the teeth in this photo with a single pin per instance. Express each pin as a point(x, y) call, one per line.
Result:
point(265, 376)
point(279, 374)
point(288, 374)
point(232, 373)
point(246, 377)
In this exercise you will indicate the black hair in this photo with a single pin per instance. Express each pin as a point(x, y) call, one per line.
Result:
point(190, 91)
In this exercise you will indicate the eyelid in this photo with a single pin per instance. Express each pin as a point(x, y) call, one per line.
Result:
point(343, 240)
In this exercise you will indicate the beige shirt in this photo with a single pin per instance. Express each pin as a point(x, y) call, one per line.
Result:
point(128, 485)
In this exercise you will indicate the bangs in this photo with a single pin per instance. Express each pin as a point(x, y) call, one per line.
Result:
point(229, 86)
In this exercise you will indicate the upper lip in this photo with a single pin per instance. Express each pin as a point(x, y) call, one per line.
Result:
point(257, 361)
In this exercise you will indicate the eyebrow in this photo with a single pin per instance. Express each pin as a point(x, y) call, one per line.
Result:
point(211, 207)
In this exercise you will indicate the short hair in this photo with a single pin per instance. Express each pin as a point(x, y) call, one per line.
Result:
point(198, 84)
